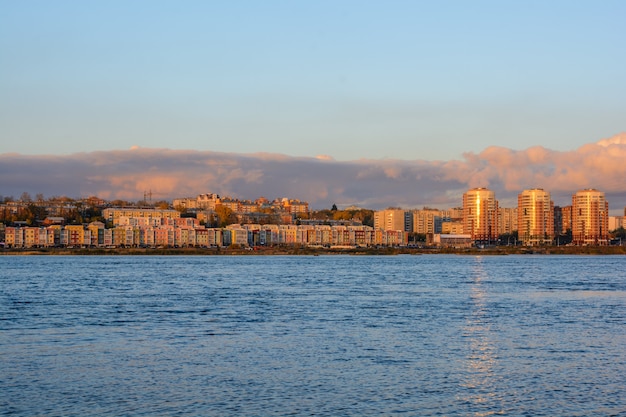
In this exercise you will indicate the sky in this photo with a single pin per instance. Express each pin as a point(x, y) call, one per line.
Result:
point(347, 83)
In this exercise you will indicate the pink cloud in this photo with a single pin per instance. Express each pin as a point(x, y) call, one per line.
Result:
point(320, 180)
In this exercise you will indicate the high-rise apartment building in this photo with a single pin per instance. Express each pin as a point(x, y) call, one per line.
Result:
point(480, 215)
point(535, 217)
point(507, 220)
point(427, 221)
point(590, 218)
point(566, 219)
point(393, 219)
point(558, 220)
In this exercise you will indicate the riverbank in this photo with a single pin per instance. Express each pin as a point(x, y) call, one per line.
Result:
point(500, 250)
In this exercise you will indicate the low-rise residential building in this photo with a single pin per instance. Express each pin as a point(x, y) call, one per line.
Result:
point(295, 207)
point(114, 214)
point(451, 240)
point(452, 227)
point(235, 235)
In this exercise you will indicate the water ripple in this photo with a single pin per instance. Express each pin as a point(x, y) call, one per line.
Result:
point(325, 336)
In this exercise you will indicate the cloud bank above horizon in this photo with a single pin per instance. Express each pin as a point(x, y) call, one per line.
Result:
point(322, 181)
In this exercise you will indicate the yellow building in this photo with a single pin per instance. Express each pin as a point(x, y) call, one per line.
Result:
point(392, 219)
point(480, 215)
point(507, 220)
point(97, 233)
point(427, 221)
point(31, 237)
point(114, 214)
point(75, 235)
point(535, 217)
point(452, 228)
point(590, 218)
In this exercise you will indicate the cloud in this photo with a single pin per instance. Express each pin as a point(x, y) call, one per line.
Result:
point(322, 181)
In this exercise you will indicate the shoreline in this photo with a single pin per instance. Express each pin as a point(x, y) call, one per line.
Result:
point(502, 250)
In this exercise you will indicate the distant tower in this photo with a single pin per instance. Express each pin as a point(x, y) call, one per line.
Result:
point(535, 217)
point(590, 218)
point(480, 215)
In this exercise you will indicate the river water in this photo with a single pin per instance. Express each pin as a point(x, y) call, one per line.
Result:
point(440, 335)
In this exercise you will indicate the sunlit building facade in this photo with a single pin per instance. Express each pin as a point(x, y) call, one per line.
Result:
point(115, 214)
point(507, 220)
point(393, 219)
point(427, 221)
point(480, 215)
point(590, 218)
point(535, 217)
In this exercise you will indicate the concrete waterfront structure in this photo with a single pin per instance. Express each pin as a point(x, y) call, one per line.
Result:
point(480, 215)
point(590, 218)
point(535, 217)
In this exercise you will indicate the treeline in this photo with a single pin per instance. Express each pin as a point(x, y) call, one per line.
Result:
point(364, 216)
point(35, 210)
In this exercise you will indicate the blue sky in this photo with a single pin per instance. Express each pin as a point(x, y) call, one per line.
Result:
point(350, 79)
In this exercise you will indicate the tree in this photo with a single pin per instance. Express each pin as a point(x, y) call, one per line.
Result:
point(120, 203)
point(162, 205)
point(91, 214)
point(342, 215)
point(26, 198)
point(321, 214)
point(365, 216)
point(225, 215)
point(417, 237)
point(619, 233)
point(509, 238)
point(35, 213)
point(334, 207)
